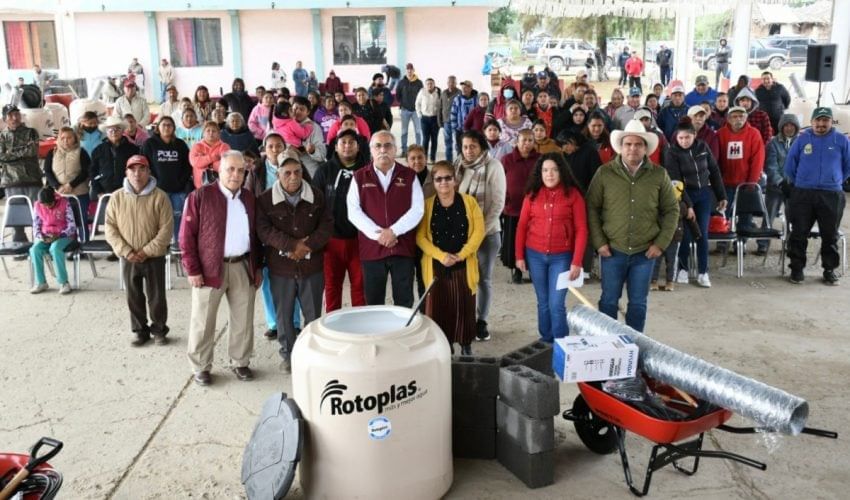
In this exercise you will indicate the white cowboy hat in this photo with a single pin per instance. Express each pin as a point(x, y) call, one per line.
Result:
point(634, 127)
point(113, 121)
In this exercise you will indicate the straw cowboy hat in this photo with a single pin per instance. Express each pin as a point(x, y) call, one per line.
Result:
point(113, 121)
point(634, 127)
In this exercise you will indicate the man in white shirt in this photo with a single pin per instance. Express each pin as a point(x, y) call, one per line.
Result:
point(385, 204)
point(427, 107)
point(131, 102)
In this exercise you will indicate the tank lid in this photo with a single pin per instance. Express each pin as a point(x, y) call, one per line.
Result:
point(370, 320)
point(274, 450)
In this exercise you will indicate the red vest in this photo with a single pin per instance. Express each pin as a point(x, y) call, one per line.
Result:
point(385, 208)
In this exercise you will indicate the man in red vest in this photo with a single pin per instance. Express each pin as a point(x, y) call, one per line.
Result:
point(385, 204)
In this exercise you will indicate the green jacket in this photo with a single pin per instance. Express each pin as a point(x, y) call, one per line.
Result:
point(631, 213)
point(19, 158)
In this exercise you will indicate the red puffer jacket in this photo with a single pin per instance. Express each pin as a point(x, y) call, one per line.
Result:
point(553, 222)
point(202, 234)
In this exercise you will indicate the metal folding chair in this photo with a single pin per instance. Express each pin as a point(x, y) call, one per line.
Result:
point(18, 214)
point(98, 245)
point(749, 200)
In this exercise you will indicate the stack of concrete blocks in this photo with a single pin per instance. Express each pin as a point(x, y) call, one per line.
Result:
point(525, 444)
point(475, 387)
point(536, 355)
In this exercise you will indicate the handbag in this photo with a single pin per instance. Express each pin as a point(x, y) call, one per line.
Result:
point(718, 224)
point(209, 176)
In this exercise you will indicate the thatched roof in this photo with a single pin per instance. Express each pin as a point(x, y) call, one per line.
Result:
point(641, 9)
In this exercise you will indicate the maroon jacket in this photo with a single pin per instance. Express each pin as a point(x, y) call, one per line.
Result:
point(476, 118)
point(385, 209)
point(202, 234)
point(517, 172)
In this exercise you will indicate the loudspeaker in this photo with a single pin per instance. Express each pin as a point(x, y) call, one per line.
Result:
point(820, 62)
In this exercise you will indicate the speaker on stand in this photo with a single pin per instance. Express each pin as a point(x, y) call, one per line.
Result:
point(820, 64)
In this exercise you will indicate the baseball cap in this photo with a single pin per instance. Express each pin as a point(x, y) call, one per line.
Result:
point(736, 109)
point(466, 83)
point(817, 113)
point(634, 91)
point(702, 79)
point(138, 160)
point(542, 74)
point(677, 88)
point(694, 110)
point(642, 113)
point(10, 108)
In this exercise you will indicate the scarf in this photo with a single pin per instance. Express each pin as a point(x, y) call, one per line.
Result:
point(474, 184)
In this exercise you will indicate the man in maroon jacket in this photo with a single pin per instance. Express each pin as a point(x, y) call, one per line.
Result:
point(221, 255)
point(385, 204)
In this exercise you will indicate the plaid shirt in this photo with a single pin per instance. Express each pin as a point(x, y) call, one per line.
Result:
point(761, 121)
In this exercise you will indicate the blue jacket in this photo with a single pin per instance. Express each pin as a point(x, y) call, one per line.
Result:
point(300, 77)
point(694, 98)
point(819, 162)
point(461, 106)
point(669, 117)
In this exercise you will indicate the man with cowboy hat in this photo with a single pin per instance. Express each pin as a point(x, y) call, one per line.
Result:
point(131, 102)
point(109, 158)
point(632, 215)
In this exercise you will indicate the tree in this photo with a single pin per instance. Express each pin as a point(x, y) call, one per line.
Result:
point(500, 20)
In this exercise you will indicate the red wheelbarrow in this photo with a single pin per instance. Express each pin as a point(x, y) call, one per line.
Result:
point(30, 475)
point(602, 420)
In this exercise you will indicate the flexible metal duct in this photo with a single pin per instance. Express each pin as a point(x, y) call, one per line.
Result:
point(768, 406)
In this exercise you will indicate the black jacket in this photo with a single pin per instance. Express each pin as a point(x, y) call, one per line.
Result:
point(584, 163)
point(695, 167)
point(774, 102)
point(108, 164)
point(333, 180)
point(406, 92)
point(239, 102)
point(169, 164)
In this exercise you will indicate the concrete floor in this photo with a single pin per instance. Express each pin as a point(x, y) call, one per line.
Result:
point(135, 426)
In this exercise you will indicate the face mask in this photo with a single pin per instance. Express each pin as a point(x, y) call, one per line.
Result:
point(90, 129)
point(508, 93)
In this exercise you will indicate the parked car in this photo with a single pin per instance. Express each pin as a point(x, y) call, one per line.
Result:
point(561, 53)
point(796, 45)
point(761, 55)
point(532, 46)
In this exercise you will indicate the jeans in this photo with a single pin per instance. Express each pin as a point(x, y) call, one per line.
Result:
point(634, 271)
point(551, 303)
point(392, 84)
point(488, 252)
point(721, 69)
point(162, 86)
point(57, 253)
point(666, 74)
point(623, 76)
point(808, 206)
point(406, 117)
point(269, 307)
point(702, 199)
point(430, 129)
point(375, 274)
point(449, 139)
point(178, 200)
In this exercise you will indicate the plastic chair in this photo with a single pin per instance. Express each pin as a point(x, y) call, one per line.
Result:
point(18, 214)
point(98, 246)
point(749, 200)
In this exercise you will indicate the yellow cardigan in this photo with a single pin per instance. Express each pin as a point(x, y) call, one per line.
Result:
point(469, 252)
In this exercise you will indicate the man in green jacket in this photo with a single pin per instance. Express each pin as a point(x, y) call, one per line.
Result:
point(632, 214)
point(19, 172)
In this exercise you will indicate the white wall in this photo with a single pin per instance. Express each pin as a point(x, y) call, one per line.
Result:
point(278, 35)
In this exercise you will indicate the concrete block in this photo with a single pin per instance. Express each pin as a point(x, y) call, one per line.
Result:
point(475, 375)
point(536, 355)
point(473, 411)
point(533, 435)
point(472, 442)
point(534, 469)
point(530, 392)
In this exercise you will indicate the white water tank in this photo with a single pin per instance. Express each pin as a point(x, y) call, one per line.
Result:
point(80, 106)
point(60, 116)
point(40, 119)
point(376, 396)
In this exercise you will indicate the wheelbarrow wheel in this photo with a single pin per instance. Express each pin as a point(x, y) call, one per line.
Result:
point(597, 434)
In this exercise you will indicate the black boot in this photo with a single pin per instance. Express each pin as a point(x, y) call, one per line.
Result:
point(516, 277)
point(482, 334)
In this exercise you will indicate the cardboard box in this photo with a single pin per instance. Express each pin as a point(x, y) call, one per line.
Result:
point(592, 358)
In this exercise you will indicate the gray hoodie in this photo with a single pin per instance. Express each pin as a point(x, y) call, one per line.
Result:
point(777, 150)
point(746, 92)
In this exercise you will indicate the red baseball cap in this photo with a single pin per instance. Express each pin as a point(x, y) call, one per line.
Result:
point(138, 160)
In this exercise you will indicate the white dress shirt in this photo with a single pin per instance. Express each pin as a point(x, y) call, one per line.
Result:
point(237, 237)
point(404, 224)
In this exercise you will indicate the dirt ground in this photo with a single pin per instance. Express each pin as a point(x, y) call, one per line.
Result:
point(136, 427)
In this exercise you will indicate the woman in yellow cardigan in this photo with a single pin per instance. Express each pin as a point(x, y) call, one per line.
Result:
point(449, 235)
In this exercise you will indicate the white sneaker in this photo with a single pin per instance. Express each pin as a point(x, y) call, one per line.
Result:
point(703, 281)
point(682, 276)
point(65, 289)
point(38, 288)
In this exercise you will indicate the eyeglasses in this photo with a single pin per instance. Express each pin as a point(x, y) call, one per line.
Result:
point(446, 178)
point(114, 131)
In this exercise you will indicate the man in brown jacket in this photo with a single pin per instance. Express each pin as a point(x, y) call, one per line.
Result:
point(294, 224)
point(139, 223)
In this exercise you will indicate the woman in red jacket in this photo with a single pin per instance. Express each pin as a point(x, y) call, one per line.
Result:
point(550, 239)
point(518, 165)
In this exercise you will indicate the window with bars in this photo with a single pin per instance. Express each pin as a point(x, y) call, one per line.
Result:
point(195, 42)
point(360, 39)
point(29, 43)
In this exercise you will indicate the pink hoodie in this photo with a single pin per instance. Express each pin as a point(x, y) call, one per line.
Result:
point(294, 134)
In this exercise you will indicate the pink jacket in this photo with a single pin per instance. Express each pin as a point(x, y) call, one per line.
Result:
point(258, 122)
point(56, 221)
point(294, 134)
point(139, 138)
point(203, 156)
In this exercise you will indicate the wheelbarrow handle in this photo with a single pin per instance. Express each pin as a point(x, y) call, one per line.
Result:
point(819, 432)
point(32, 463)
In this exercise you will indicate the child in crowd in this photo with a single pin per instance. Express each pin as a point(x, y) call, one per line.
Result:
point(672, 249)
point(53, 231)
point(134, 133)
point(543, 143)
point(294, 134)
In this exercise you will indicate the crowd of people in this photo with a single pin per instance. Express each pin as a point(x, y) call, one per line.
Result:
point(289, 193)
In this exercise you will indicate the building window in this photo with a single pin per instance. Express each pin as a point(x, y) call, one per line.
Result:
point(29, 43)
point(195, 42)
point(360, 40)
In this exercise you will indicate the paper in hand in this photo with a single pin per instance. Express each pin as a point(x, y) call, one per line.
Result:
point(564, 281)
